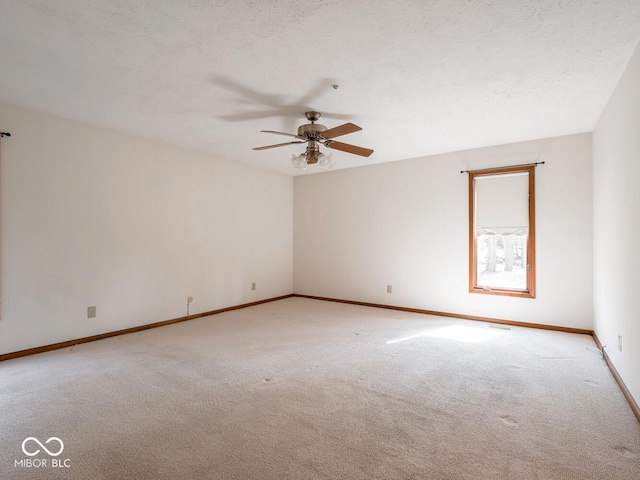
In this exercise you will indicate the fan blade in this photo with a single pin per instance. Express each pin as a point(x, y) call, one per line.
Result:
point(345, 147)
point(247, 92)
point(341, 130)
point(275, 146)
point(280, 133)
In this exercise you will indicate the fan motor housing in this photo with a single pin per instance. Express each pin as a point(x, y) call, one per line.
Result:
point(311, 130)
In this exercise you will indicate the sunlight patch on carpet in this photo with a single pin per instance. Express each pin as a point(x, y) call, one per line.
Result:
point(454, 332)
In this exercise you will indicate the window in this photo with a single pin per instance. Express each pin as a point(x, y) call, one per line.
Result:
point(502, 231)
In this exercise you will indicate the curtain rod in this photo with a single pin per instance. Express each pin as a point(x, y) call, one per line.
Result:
point(506, 166)
point(4, 134)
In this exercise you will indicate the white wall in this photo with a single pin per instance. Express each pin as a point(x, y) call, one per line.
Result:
point(96, 217)
point(406, 224)
point(616, 173)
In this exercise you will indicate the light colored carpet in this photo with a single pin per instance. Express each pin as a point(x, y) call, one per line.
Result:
point(305, 389)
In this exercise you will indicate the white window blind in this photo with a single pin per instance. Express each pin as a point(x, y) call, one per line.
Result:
point(502, 204)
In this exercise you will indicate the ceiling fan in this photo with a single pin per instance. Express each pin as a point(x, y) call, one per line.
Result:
point(314, 134)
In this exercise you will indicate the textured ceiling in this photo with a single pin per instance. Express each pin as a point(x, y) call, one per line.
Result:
point(421, 77)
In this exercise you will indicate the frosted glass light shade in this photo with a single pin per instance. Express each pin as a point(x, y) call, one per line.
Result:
point(299, 162)
point(325, 162)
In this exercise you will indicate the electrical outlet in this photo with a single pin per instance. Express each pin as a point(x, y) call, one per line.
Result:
point(389, 289)
point(189, 299)
point(620, 342)
point(91, 312)
point(253, 286)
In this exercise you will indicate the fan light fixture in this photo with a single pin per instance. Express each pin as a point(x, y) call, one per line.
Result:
point(304, 160)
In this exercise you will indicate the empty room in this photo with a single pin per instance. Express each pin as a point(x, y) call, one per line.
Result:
point(320, 240)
